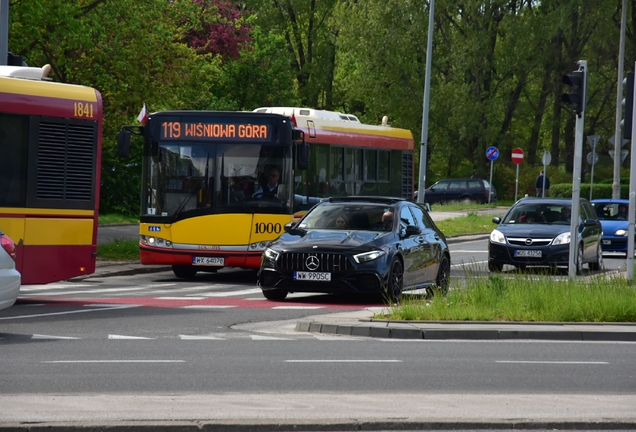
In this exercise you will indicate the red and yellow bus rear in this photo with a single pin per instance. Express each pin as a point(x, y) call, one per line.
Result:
point(50, 139)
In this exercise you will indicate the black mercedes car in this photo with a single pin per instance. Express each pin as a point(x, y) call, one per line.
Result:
point(536, 232)
point(356, 245)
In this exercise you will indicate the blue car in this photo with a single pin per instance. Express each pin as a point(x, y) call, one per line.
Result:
point(613, 216)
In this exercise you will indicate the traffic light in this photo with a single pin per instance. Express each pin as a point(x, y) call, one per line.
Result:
point(628, 106)
point(576, 97)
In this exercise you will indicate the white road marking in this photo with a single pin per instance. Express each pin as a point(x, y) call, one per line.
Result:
point(200, 337)
point(298, 307)
point(233, 293)
point(468, 264)
point(129, 337)
point(180, 298)
point(343, 361)
point(469, 251)
point(548, 362)
point(48, 337)
point(114, 361)
point(111, 307)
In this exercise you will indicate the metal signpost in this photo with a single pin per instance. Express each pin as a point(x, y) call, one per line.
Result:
point(546, 159)
point(492, 153)
point(517, 158)
point(632, 199)
point(592, 158)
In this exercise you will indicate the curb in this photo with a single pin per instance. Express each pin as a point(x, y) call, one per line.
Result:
point(370, 425)
point(389, 330)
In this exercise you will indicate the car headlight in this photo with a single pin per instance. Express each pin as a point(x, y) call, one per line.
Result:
point(368, 256)
point(271, 254)
point(562, 238)
point(621, 232)
point(497, 236)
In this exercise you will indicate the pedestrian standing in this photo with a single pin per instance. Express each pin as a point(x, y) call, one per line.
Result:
point(542, 185)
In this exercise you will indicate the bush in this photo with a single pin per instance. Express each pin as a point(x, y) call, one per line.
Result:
point(601, 190)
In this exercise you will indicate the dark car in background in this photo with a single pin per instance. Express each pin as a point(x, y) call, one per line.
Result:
point(536, 232)
point(357, 245)
point(460, 189)
point(613, 216)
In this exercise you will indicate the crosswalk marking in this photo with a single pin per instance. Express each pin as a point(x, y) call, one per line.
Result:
point(200, 337)
point(129, 337)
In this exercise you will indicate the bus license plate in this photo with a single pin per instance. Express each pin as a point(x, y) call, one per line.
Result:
point(313, 276)
point(528, 253)
point(208, 261)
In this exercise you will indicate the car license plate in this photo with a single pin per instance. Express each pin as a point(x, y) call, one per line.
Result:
point(528, 253)
point(313, 276)
point(208, 261)
point(607, 242)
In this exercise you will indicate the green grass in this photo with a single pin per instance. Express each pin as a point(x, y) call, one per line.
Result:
point(469, 224)
point(118, 250)
point(112, 219)
point(526, 299)
point(468, 205)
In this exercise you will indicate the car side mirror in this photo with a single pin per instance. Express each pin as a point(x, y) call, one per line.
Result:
point(412, 230)
point(496, 220)
point(289, 225)
point(590, 222)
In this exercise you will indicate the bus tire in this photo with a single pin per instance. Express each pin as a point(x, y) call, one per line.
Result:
point(184, 272)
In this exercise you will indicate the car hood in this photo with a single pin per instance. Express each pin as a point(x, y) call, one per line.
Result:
point(610, 226)
point(532, 230)
point(322, 240)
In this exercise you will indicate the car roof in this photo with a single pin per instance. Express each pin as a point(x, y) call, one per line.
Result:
point(548, 200)
point(366, 199)
point(610, 201)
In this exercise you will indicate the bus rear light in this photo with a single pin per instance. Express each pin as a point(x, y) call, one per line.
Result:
point(8, 245)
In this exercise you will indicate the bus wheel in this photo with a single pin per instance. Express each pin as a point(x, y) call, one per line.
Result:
point(184, 272)
point(275, 294)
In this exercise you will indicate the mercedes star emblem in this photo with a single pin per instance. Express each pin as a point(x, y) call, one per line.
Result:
point(312, 262)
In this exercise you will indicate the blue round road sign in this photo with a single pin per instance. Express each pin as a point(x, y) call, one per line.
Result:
point(492, 153)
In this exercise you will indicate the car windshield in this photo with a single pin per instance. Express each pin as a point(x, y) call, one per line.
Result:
point(348, 216)
point(610, 210)
point(539, 213)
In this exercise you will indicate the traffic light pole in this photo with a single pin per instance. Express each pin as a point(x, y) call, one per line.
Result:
point(576, 177)
point(632, 197)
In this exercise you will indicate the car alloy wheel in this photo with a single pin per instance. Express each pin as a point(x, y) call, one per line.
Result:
point(395, 282)
point(579, 260)
point(442, 278)
point(275, 294)
point(598, 263)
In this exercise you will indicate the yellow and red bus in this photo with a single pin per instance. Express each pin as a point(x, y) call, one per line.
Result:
point(203, 171)
point(50, 142)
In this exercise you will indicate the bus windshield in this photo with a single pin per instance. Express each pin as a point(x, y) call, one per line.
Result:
point(185, 179)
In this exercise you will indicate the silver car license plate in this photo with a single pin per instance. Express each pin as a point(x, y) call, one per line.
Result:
point(313, 276)
point(528, 253)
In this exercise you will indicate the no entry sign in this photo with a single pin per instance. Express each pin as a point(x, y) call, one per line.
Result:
point(517, 155)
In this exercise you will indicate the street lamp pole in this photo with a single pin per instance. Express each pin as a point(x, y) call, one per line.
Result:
point(618, 136)
point(427, 96)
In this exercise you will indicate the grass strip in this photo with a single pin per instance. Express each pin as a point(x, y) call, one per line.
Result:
point(526, 299)
point(118, 250)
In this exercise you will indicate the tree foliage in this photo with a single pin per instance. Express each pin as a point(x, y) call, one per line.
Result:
point(495, 77)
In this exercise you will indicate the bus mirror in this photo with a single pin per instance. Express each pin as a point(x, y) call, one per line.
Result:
point(123, 143)
point(298, 135)
point(302, 156)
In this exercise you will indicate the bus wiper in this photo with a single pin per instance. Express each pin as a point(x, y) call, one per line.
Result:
point(190, 194)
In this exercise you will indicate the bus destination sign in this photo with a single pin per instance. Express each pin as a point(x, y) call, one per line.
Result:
point(185, 130)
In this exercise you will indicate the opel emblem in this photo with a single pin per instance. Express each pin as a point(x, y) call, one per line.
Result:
point(312, 262)
point(529, 241)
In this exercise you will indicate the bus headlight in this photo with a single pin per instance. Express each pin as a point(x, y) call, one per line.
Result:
point(155, 241)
